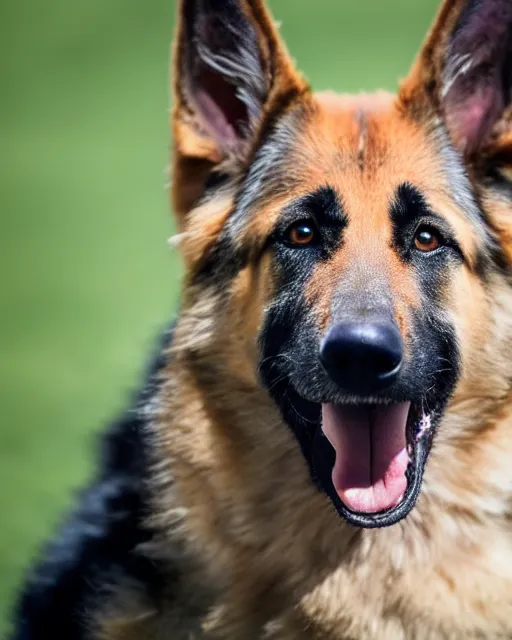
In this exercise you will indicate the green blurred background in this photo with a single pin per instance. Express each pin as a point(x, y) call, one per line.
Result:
point(87, 278)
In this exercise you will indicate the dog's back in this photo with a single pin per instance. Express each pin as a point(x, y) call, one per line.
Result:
point(97, 544)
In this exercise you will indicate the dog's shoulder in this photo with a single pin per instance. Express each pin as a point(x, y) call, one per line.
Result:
point(100, 546)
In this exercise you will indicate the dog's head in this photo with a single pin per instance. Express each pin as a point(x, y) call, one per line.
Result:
point(349, 248)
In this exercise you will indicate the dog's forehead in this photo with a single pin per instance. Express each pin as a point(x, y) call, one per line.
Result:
point(364, 147)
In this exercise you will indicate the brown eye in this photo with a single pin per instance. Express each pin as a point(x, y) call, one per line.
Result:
point(427, 239)
point(301, 234)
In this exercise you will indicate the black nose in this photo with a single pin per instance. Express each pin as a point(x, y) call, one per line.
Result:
point(362, 357)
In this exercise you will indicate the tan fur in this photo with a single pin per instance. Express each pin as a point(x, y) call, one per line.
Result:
point(446, 572)
point(280, 562)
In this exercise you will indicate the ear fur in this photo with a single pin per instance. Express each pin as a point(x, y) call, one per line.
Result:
point(464, 72)
point(231, 75)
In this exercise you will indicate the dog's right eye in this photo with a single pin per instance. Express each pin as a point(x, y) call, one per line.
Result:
point(301, 234)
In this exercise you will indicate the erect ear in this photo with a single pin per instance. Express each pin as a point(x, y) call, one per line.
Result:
point(465, 71)
point(231, 73)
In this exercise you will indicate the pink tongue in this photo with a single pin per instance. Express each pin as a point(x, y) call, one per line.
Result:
point(371, 454)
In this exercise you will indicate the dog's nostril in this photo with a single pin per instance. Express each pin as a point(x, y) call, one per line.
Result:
point(363, 357)
point(383, 364)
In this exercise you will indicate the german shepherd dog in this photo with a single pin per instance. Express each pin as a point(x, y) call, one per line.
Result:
point(324, 446)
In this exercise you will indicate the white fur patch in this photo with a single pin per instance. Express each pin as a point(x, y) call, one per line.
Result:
point(458, 66)
point(424, 426)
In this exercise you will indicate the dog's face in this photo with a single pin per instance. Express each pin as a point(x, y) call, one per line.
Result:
point(349, 243)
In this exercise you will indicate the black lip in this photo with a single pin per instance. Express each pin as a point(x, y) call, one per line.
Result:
point(302, 412)
point(323, 458)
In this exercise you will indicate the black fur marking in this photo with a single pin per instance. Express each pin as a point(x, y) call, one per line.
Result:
point(290, 317)
point(408, 211)
point(408, 205)
point(325, 208)
point(98, 543)
point(280, 332)
point(290, 342)
point(222, 262)
point(215, 181)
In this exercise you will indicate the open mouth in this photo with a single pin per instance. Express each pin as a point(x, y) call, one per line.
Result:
point(364, 425)
point(375, 454)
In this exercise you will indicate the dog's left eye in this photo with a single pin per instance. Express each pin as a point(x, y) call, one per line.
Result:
point(427, 239)
point(301, 234)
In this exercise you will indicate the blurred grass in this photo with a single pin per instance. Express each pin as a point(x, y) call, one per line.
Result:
point(87, 279)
